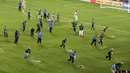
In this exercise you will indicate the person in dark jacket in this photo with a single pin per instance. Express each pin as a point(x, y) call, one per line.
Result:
point(63, 43)
point(101, 39)
point(16, 37)
point(110, 52)
point(92, 27)
point(81, 28)
point(27, 51)
point(32, 32)
point(74, 24)
point(58, 17)
point(29, 14)
point(24, 25)
point(38, 28)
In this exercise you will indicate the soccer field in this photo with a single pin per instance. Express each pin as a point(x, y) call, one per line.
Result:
point(53, 58)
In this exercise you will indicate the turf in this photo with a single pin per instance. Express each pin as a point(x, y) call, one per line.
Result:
point(53, 58)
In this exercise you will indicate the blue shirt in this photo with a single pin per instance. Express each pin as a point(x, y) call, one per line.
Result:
point(20, 3)
point(50, 23)
point(39, 35)
point(72, 54)
point(94, 38)
point(16, 35)
point(45, 11)
point(113, 67)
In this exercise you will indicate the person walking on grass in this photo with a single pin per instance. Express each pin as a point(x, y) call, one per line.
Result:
point(38, 28)
point(27, 52)
point(32, 32)
point(110, 52)
point(81, 30)
point(24, 25)
point(76, 16)
point(16, 36)
point(39, 40)
point(72, 57)
point(74, 24)
point(50, 26)
point(39, 13)
point(45, 13)
point(58, 17)
point(40, 21)
point(92, 27)
point(63, 43)
point(20, 6)
point(101, 39)
point(5, 32)
point(94, 40)
point(29, 14)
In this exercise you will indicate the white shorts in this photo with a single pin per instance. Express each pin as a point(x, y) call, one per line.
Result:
point(112, 71)
point(80, 32)
point(76, 18)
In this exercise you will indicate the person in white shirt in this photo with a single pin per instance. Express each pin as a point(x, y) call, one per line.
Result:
point(24, 5)
point(76, 16)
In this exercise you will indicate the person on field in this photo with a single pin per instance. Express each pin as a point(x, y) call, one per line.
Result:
point(92, 27)
point(27, 52)
point(45, 13)
point(39, 40)
point(94, 40)
point(105, 29)
point(58, 17)
point(74, 24)
point(116, 68)
point(5, 32)
point(50, 26)
point(101, 39)
point(48, 16)
point(40, 21)
point(20, 6)
point(63, 43)
point(29, 14)
point(76, 16)
point(72, 57)
point(39, 13)
point(24, 5)
point(81, 30)
point(110, 52)
point(24, 25)
point(16, 36)
point(32, 32)
point(38, 28)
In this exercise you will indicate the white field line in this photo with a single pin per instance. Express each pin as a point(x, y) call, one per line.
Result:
point(70, 20)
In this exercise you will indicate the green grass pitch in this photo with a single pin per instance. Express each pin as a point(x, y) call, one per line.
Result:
point(53, 58)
